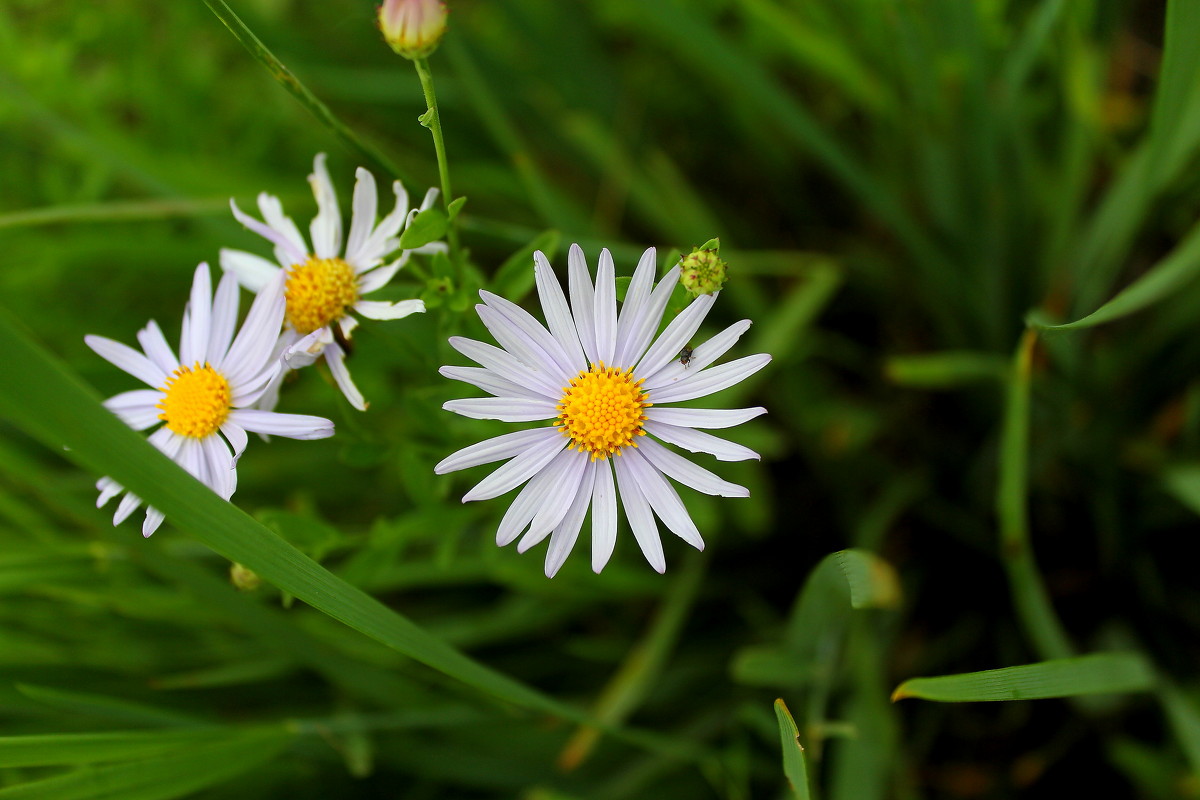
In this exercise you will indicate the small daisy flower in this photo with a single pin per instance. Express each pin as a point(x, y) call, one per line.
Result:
point(607, 387)
point(206, 390)
point(325, 283)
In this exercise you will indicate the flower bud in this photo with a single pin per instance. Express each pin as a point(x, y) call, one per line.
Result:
point(243, 578)
point(413, 28)
point(702, 271)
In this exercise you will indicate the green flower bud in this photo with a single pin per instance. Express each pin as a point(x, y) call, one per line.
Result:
point(413, 28)
point(243, 578)
point(702, 271)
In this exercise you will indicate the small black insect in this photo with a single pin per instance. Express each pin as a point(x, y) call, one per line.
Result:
point(685, 356)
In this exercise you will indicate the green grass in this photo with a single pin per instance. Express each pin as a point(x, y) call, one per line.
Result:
point(966, 233)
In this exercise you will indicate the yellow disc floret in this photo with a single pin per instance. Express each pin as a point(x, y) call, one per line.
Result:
point(602, 411)
point(318, 293)
point(195, 401)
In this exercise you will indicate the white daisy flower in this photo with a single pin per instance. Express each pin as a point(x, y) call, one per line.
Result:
point(598, 375)
point(206, 390)
point(325, 283)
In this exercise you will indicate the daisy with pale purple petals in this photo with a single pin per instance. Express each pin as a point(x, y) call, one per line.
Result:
point(326, 282)
point(606, 382)
point(204, 395)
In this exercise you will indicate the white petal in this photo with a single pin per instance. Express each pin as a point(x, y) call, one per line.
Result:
point(505, 364)
point(704, 417)
point(641, 520)
point(237, 437)
point(252, 389)
point(335, 358)
point(516, 471)
point(505, 409)
point(636, 297)
point(285, 250)
point(272, 211)
point(253, 346)
point(326, 227)
point(292, 426)
point(557, 312)
point(154, 518)
point(305, 350)
point(127, 506)
point(550, 348)
point(662, 497)
point(711, 380)
point(379, 309)
point(108, 490)
point(224, 318)
point(569, 486)
point(683, 471)
point(490, 382)
point(699, 442)
point(431, 196)
point(362, 217)
point(528, 501)
point(702, 356)
point(347, 324)
point(605, 309)
point(168, 442)
point(378, 278)
point(154, 344)
point(137, 408)
point(645, 325)
point(583, 301)
point(252, 271)
point(497, 448)
point(676, 335)
point(604, 516)
point(197, 327)
point(380, 243)
point(517, 342)
point(567, 531)
point(220, 462)
point(126, 358)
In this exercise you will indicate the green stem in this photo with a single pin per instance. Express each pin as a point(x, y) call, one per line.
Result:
point(434, 123)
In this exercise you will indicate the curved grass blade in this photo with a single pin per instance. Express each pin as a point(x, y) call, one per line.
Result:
point(795, 767)
point(1101, 673)
point(1165, 278)
point(173, 775)
point(289, 81)
point(87, 748)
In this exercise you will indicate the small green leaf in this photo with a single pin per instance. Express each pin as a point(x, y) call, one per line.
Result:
point(455, 207)
point(795, 766)
point(1101, 673)
point(426, 119)
point(427, 226)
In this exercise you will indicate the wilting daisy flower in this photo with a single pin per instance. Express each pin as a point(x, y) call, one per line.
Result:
point(204, 394)
point(605, 385)
point(325, 283)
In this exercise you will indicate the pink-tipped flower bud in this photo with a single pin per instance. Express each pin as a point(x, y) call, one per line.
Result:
point(413, 28)
point(702, 271)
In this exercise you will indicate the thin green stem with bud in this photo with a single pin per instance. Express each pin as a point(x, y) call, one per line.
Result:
point(432, 119)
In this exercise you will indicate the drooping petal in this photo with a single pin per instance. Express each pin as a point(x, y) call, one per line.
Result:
point(711, 380)
point(292, 426)
point(379, 309)
point(304, 351)
point(253, 272)
point(700, 442)
point(326, 227)
point(126, 358)
point(237, 437)
point(641, 520)
point(515, 472)
point(498, 448)
point(678, 468)
point(335, 357)
point(154, 518)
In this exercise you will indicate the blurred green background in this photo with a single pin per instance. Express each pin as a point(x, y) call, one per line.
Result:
point(897, 185)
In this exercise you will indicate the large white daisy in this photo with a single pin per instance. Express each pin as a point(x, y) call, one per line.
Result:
point(607, 383)
point(203, 395)
point(325, 283)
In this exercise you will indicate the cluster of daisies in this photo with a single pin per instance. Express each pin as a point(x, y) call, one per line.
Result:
point(601, 382)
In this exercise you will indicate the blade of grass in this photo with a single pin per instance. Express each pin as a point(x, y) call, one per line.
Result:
point(795, 766)
point(87, 748)
point(292, 84)
point(1100, 673)
point(945, 370)
point(118, 211)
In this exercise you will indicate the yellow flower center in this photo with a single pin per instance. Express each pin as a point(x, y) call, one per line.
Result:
point(318, 293)
point(195, 401)
point(602, 411)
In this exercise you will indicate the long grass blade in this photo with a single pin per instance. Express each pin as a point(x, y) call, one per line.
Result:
point(1101, 673)
point(795, 766)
